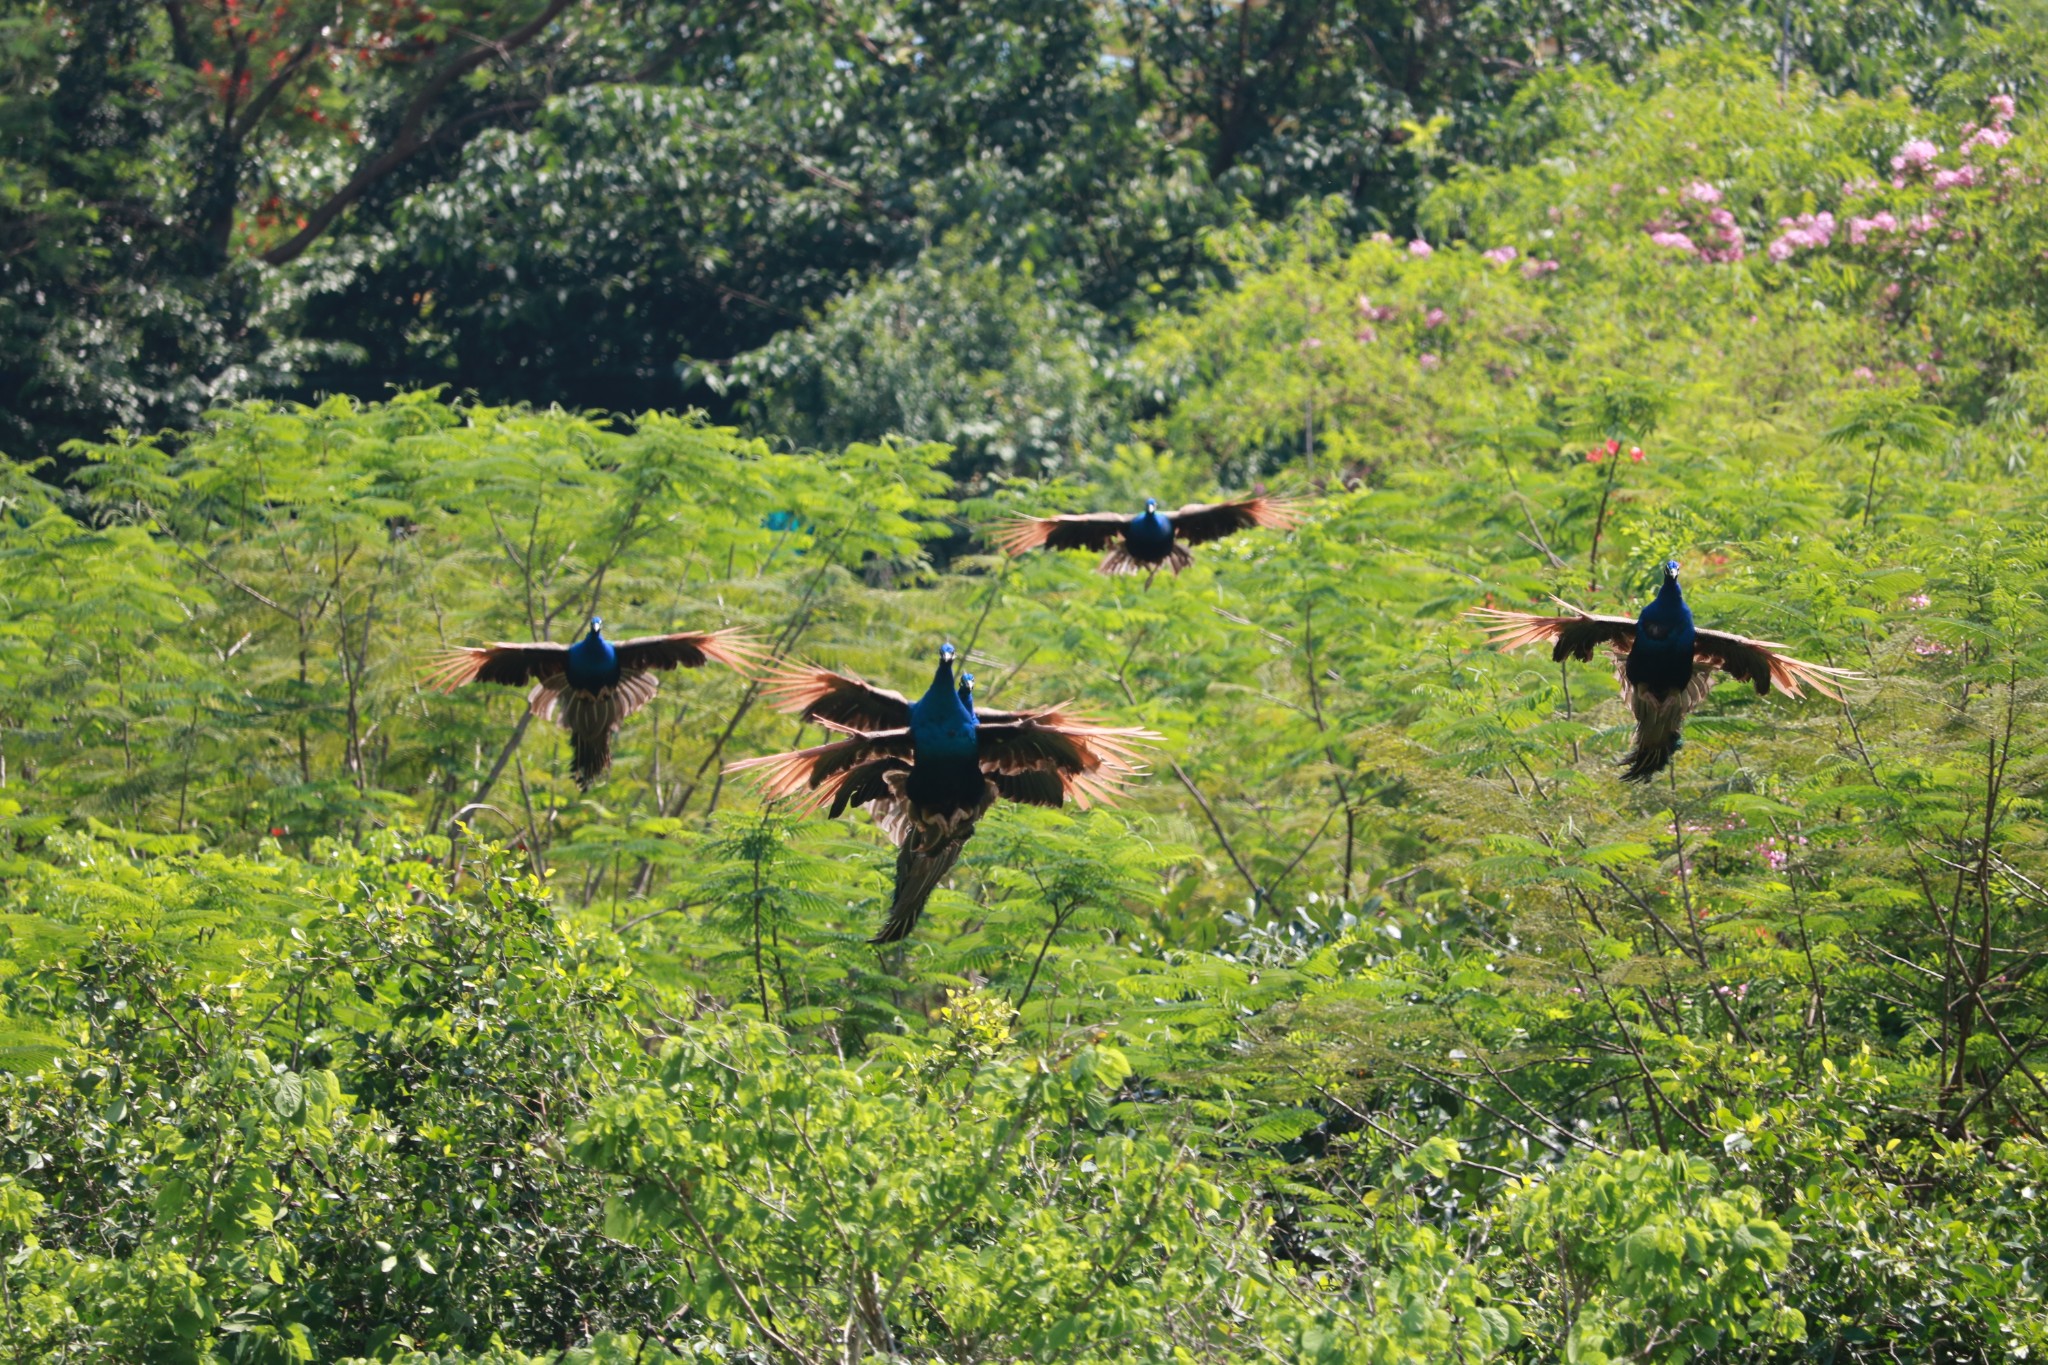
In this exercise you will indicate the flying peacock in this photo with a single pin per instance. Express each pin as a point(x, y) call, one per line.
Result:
point(1149, 541)
point(590, 687)
point(1665, 664)
point(929, 769)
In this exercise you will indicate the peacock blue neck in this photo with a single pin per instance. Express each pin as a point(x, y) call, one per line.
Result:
point(593, 663)
point(1150, 531)
point(942, 724)
point(1666, 620)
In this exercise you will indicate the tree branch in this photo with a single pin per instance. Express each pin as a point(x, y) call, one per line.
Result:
point(409, 139)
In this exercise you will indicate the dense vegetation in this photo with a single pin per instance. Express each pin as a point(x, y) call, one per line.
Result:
point(1379, 1024)
point(618, 203)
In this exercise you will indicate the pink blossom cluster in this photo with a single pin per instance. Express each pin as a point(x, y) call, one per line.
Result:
point(1883, 225)
point(1535, 269)
point(1962, 178)
point(1386, 313)
point(1931, 649)
point(1419, 249)
point(1776, 852)
point(1915, 157)
point(1500, 255)
point(1429, 360)
point(1862, 229)
point(1712, 235)
point(1722, 224)
point(1434, 318)
point(1995, 134)
point(1809, 231)
point(1919, 601)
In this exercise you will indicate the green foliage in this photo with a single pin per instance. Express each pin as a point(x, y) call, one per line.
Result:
point(1652, 1261)
point(1004, 370)
point(344, 1134)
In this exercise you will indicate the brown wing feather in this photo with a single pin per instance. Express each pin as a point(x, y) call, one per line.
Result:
point(840, 699)
point(1085, 531)
point(1202, 521)
point(1121, 561)
point(734, 648)
point(1573, 636)
point(591, 718)
point(1034, 788)
point(551, 698)
point(865, 784)
point(1758, 663)
point(514, 665)
point(1091, 762)
point(815, 773)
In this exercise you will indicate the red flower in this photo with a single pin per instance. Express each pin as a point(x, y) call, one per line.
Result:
point(1613, 446)
point(1595, 456)
point(1636, 453)
point(277, 831)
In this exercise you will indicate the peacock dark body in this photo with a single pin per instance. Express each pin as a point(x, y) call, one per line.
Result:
point(1665, 664)
point(945, 740)
point(592, 686)
point(929, 769)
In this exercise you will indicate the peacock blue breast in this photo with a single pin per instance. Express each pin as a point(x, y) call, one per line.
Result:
point(1149, 535)
point(941, 726)
point(945, 774)
point(593, 663)
point(1660, 660)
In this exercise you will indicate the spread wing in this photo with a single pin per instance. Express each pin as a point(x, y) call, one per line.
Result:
point(1084, 531)
point(1047, 757)
point(844, 772)
point(1758, 663)
point(689, 649)
point(511, 664)
point(1574, 636)
point(1200, 521)
point(838, 699)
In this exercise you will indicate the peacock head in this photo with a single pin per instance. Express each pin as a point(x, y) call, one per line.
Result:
point(1151, 506)
point(946, 652)
point(1670, 571)
point(597, 625)
point(967, 684)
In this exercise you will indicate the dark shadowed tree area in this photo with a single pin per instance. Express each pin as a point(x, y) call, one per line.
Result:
point(592, 203)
